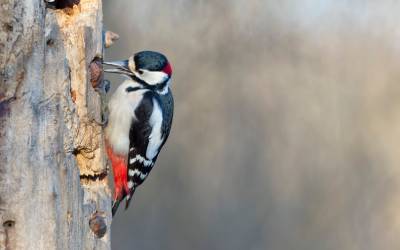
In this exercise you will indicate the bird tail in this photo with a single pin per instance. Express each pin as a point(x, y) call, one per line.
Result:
point(129, 198)
point(115, 206)
point(119, 166)
point(118, 200)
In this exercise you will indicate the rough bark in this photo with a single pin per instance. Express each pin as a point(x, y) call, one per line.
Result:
point(53, 190)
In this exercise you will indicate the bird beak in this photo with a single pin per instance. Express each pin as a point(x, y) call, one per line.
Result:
point(122, 67)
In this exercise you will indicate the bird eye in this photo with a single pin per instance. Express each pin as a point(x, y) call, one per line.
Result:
point(140, 71)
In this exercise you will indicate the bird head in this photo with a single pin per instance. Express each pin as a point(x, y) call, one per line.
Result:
point(148, 68)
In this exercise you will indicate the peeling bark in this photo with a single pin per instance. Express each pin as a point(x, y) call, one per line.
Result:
point(53, 187)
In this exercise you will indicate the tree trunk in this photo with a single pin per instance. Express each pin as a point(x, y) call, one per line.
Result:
point(53, 187)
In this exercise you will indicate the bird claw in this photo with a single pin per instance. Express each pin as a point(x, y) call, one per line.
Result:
point(103, 87)
point(102, 123)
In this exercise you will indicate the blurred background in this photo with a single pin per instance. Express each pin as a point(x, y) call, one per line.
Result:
point(286, 131)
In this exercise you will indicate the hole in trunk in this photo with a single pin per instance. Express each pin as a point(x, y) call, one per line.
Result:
point(61, 4)
point(96, 72)
point(9, 224)
point(50, 42)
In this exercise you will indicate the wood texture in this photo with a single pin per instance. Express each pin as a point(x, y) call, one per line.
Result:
point(52, 166)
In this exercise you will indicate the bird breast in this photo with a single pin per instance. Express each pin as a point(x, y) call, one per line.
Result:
point(122, 106)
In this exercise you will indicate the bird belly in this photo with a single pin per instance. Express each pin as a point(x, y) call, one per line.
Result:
point(117, 131)
point(122, 108)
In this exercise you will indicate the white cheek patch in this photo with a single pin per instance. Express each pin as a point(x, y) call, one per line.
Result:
point(152, 77)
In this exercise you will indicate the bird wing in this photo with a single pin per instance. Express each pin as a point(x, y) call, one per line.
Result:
point(146, 140)
point(148, 132)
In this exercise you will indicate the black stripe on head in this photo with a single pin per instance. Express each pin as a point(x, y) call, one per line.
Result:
point(131, 89)
point(159, 86)
point(150, 60)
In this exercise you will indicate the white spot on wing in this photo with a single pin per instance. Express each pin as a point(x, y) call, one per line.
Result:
point(155, 138)
point(141, 159)
point(131, 161)
point(136, 172)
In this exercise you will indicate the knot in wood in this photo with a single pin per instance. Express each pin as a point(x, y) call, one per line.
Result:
point(96, 72)
point(109, 38)
point(8, 224)
point(97, 224)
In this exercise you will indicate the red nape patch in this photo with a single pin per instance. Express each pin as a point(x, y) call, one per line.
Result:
point(120, 171)
point(167, 69)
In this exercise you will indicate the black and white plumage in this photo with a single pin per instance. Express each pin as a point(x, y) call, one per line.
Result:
point(147, 135)
point(140, 118)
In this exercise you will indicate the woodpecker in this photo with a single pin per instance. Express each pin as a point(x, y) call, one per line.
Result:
point(139, 122)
